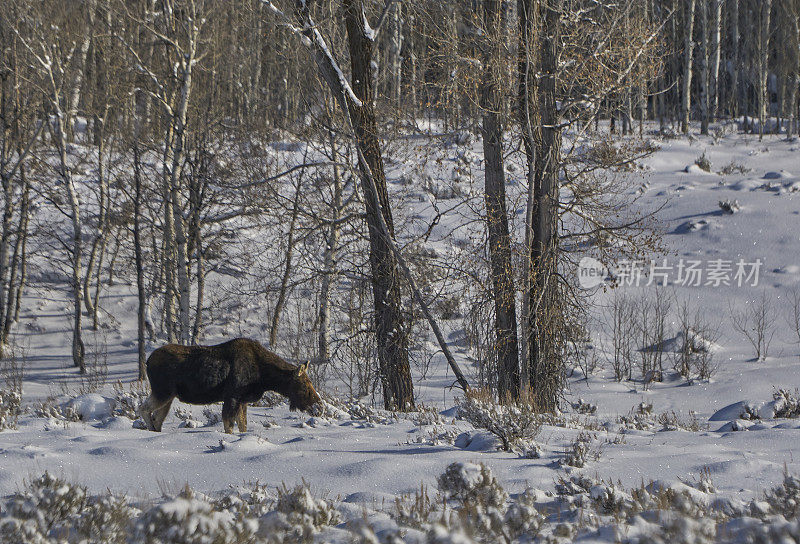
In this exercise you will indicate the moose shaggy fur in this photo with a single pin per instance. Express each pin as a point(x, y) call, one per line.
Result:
point(235, 373)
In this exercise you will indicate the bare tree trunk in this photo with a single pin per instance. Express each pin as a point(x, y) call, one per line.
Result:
point(73, 94)
point(139, 260)
point(392, 331)
point(528, 117)
point(499, 239)
point(546, 372)
point(385, 259)
point(329, 259)
point(18, 261)
point(287, 267)
point(716, 35)
point(792, 14)
point(688, 50)
point(736, 60)
point(395, 58)
point(704, 68)
point(765, 8)
point(99, 241)
point(76, 251)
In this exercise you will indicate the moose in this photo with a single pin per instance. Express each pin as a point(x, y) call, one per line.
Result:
point(236, 372)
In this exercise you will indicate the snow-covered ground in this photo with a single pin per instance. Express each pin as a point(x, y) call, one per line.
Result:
point(368, 461)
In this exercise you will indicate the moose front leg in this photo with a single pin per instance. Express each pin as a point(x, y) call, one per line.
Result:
point(241, 418)
point(230, 410)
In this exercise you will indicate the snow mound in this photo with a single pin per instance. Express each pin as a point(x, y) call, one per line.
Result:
point(477, 441)
point(694, 169)
point(91, 407)
point(746, 185)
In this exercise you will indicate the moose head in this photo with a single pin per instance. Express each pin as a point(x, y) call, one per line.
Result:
point(302, 395)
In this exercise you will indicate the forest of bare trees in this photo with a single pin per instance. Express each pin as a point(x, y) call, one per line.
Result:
point(137, 144)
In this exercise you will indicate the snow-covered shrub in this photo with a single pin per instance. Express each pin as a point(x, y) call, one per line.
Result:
point(298, 515)
point(337, 408)
point(106, 519)
point(435, 436)
point(127, 401)
point(415, 511)
point(670, 527)
point(522, 517)
point(187, 418)
point(670, 421)
point(48, 409)
point(609, 498)
point(730, 206)
point(515, 424)
point(471, 483)
point(10, 402)
point(787, 404)
point(734, 167)
point(777, 529)
point(783, 499)
point(439, 534)
point(583, 407)
point(191, 519)
point(11, 373)
point(640, 417)
point(579, 452)
point(45, 506)
point(426, 415)
point(212, 417)
point(703, 163)
point(250, 500)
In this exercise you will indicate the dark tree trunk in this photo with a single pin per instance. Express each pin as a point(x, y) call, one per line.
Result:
point(392, 333)
point(137, 244)
point(496, 214)
point(546, 374)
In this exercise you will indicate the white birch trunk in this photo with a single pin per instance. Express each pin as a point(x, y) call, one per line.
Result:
point(688, 50)
point(765, 7)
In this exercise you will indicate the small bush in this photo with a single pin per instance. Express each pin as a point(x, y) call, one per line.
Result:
point(730, 206)
point(514, 424)
point(787, 404)
point(11, 372)
point(48, 409)
point(703, 163)
point(191, 519)
point(468, 482)
point(10, 402)
point(127, 401)
point(579, 453)
point(298, 515)
point(47, 505)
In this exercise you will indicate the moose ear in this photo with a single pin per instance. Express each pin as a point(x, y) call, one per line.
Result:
point(303, 368)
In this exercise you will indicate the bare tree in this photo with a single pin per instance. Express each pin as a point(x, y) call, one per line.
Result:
point(688, 52)
point(499, 239)
point(52, 59)
point(756, 322)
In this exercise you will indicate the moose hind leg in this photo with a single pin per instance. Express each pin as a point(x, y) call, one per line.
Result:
point(241, 418)
point(230, 411)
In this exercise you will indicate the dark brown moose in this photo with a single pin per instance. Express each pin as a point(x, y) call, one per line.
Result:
point(235, 372)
